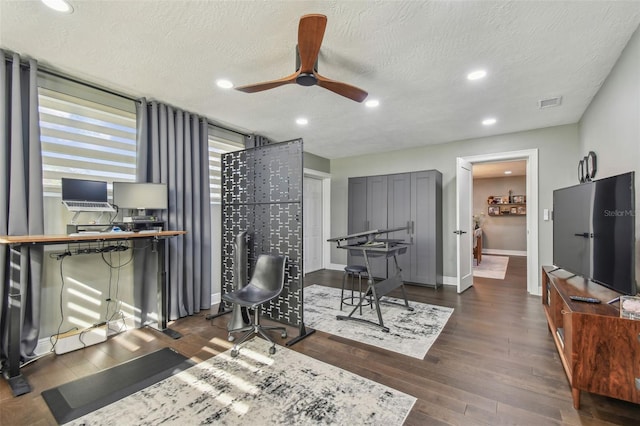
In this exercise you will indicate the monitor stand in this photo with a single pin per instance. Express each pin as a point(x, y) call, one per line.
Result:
point(74, 219)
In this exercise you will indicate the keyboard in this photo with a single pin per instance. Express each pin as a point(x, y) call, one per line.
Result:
point(88, 206)
point(148, 231)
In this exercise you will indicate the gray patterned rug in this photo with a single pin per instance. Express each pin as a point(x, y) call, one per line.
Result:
point(259, 389)
point(410, 332)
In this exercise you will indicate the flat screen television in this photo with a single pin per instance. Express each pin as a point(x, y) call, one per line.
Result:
point(140, 196)
point(594, 231)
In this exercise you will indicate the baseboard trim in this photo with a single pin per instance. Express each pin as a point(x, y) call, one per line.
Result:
point(505, 252)
point(449, 280)
point(335, 267)
point(216, 298)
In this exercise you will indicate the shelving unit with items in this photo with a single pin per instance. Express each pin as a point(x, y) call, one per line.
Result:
point(507, 205)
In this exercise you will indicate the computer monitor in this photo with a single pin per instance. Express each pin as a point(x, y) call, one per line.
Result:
point(84, 190)
point(80, 195)
point(140, 196)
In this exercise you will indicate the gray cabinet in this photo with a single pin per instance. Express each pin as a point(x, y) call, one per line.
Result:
point(399, 214)
point(400, 200)
point(368, 210)
point(426, 224)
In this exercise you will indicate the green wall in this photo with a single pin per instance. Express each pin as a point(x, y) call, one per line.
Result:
point(315, 162)
point(611, 125)
point(557, 150)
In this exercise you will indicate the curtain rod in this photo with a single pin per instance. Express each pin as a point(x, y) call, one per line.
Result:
point(49, 71)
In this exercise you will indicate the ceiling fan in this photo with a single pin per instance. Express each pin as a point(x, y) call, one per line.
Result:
point(310, 34)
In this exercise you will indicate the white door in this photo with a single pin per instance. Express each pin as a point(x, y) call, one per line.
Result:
point(464, 176)
point(312, 224)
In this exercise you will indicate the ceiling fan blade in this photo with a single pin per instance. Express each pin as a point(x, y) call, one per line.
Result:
point(259, 87)
point(310, 35)
point(344, 89)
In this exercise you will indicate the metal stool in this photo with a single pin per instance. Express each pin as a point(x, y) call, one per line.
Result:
point(352, 271)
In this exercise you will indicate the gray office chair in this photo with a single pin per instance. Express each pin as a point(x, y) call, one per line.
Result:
point(266, 284)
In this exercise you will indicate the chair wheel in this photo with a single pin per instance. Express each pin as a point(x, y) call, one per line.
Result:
point(234, 353)
point(272, 350)
point(231, 338)
point(284, 335)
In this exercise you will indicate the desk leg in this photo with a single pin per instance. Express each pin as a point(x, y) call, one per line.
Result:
point(378, 290)
point(371, 287)
point(19, 274)
point(399, 274)
point(163, 291)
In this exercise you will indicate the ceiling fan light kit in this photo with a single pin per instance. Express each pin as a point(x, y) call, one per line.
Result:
point(310, 35)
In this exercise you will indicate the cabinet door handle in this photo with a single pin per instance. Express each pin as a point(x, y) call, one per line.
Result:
point(409, 227)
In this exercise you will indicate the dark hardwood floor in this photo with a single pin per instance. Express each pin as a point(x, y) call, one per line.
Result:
point(494, 363)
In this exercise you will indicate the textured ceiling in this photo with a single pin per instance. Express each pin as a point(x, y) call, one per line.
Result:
point(411, 55)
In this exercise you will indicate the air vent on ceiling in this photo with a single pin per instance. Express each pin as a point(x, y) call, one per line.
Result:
point(549, 102)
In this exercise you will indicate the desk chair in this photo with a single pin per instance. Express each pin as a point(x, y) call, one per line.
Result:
point(266, 284)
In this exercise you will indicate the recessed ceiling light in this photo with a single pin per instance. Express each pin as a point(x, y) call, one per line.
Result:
point(477, 75)
point(224, 84)
point(489, 121)
point(302, 121)
point(372, 103)
point(507, 172)
point(59, 5)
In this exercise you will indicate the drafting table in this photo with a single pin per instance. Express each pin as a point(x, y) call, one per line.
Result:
point(18, 276)
point(370, 245)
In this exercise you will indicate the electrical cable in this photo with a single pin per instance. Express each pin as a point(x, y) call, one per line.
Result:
point(24, 364)
point(117, 311)
point(118, 308)
point(81, 336)
point(57, 335)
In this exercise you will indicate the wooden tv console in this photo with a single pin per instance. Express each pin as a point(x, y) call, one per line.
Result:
point(600, 351)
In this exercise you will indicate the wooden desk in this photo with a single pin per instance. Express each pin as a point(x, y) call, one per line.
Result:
point(19, 255)
point(369, 245)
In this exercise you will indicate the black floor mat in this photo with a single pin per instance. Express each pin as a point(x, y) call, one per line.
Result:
point(82, 396)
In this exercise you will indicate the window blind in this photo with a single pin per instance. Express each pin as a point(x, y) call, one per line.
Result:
point(84, 139)
point(220, 142)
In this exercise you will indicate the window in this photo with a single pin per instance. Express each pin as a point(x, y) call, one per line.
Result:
point(87, 133)
point(220, 141)
point(85, 139)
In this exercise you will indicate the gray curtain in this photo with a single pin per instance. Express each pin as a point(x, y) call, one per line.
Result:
point(21, 205)
point(173, 149)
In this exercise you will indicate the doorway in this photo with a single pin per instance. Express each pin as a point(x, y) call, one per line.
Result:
point(316, 214)
point(463, 199)
point(312, 240)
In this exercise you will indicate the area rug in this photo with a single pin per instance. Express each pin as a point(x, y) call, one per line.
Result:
point(491, 267)
point(410, 332)
point(259, 389)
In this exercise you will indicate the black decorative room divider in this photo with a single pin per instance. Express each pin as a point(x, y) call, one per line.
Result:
point(262, 194)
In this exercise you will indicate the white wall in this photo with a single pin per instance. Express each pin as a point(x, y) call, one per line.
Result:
point(611, 125)
point(557, 149)
point(88, 279)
